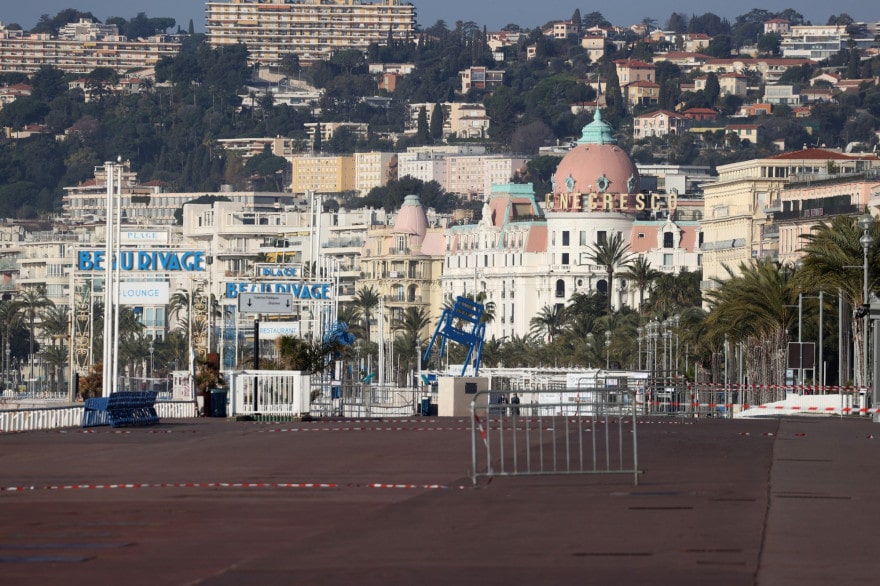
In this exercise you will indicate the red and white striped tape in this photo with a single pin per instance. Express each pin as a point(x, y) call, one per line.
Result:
point(293, 485)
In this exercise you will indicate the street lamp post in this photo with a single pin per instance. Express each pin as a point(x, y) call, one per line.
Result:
point(865, 223)
point(607, 349)
point(641, 332)
point(151, 357)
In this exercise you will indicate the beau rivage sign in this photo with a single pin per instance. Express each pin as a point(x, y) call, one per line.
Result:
point(152, 261)
point(612, 202)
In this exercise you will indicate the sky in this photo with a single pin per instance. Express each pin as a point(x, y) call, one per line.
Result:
point(492, 13)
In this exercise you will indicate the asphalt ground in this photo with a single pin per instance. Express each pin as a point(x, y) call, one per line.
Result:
point(210, 501)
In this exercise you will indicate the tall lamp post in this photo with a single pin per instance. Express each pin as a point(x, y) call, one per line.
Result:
point(641, 332)
point(865, 223)
point(607, 349)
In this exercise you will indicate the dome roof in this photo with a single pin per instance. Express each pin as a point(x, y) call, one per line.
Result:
point(596, 164)
point(412, 220)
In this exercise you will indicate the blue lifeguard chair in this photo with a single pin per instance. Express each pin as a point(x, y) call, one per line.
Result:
point(462, 324)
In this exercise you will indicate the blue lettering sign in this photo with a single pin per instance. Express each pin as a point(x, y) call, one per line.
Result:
point(299, 290)
point(143, 260)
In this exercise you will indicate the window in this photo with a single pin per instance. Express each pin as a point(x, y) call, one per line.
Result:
point(560, 288)
point(601, 237)
point(565, 238)
point(583, 238)
point(565, 261)
point(668, 240)
point(667, 260)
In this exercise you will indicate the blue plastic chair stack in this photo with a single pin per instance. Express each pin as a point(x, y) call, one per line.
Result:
point(120, 409)
point(461, 324)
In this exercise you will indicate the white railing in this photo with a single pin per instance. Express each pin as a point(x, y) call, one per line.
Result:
point(37, 418)
point(282, 392)
point(40, 418)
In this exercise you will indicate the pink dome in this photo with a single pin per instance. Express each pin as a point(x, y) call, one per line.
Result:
point(412, 221)
point(596, 164)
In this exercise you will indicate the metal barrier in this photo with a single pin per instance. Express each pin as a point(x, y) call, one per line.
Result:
point(365, 401)
point(276, 392)
point(33, 419)
point(572, 431)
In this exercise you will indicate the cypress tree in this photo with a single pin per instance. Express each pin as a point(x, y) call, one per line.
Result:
point(437, 120)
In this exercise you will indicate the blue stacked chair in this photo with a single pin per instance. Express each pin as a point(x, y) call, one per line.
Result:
point(462, 323)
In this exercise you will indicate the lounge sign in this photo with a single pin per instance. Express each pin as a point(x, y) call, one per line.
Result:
point(144, 293)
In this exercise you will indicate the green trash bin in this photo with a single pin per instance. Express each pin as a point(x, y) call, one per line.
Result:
point(218, 403)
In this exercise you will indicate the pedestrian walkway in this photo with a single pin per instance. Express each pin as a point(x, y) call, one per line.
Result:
point(209, 501)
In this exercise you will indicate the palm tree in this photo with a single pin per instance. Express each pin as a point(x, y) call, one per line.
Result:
point(350, 315)
point(366, 300)
point(33, 300)
point(10, 318)
point(55, 325)
point(613, 254)
point(833, 262)
point(519, 351)
point(56, 358)
point(754, 305)
point(412, 321)
point(642, 275)
point(549, 322)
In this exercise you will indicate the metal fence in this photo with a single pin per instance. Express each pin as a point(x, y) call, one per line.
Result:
point(570, 431)
point(275, 392)
point(162, 386)
point(37, 418)
point(678, 398)
point(360, 400)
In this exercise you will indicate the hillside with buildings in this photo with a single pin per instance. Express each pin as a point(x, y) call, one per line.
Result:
point(595, 186)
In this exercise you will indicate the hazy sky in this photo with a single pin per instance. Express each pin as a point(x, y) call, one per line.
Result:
point(492, 13)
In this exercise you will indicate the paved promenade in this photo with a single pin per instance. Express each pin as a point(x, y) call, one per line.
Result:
point(768, 502)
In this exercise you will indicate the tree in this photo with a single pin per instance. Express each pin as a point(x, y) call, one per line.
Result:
point(595, 19)
point(423, 134)
point(677, 23)
point(642, 276)
point(412, 321)
point(550, 321)
point(770, 44)
point(316, 143)
point(709, 24)
point(33, 300)
point(712, 90)
point(11, 319)
point(613, 254)
point(833, 263)
point(720, 47)
point(754, 304)
point(437, 119)
point(366, 300)
point(269, 168)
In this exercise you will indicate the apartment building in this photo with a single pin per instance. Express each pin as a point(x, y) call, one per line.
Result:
point(373, 169)
point(323, 174)
point(659, 123)
point(81, 48)
point(312, 29)
point(740, 204)
point(814, 42)
point(460, 119)
point(480, 78)
point(148, 203)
